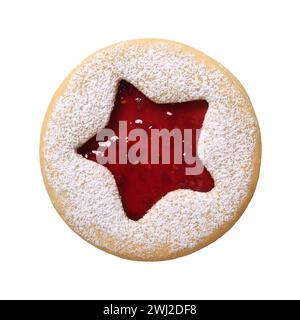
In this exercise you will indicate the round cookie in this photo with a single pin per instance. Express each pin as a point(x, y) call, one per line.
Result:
point(86, 194)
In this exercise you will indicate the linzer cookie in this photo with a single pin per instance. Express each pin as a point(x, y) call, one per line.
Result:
point(150, 149)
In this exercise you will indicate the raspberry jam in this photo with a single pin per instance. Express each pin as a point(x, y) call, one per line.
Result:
point(141, 185)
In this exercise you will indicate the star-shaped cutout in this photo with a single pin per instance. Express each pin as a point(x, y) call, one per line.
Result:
point(141, 185)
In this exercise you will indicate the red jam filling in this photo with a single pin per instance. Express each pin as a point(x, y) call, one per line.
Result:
point(142, 185)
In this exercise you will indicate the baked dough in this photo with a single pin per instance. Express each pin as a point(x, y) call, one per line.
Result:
point(85, 193)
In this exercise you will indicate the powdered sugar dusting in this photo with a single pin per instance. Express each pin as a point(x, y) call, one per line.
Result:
point(89, 200)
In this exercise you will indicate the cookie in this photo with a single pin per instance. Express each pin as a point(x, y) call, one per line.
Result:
point(150, 150)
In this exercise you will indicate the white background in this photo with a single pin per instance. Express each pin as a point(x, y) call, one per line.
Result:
point(41, 41)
